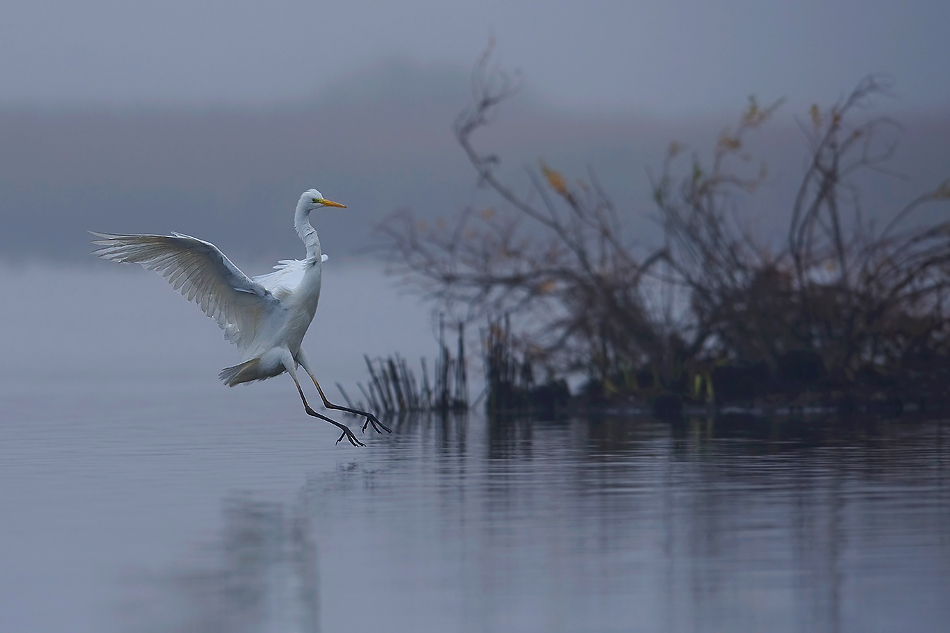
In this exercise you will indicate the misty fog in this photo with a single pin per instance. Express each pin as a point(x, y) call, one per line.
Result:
point(379, 141)
point(121, 447)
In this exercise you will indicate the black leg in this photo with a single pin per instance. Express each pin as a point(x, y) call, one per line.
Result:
point(347, 433)
point(370, 418)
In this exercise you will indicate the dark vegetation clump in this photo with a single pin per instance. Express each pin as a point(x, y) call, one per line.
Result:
point(393, 387)
point(839, 313)
point(510, 383)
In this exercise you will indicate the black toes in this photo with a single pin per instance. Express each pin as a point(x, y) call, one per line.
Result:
point(372, 419)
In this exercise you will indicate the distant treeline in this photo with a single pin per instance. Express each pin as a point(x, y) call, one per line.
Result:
point(843, 311)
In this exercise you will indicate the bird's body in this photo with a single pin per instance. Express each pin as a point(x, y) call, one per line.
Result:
point(266, 317)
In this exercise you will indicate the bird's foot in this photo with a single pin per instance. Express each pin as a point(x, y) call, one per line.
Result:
point(348, 434)
point(377, 425)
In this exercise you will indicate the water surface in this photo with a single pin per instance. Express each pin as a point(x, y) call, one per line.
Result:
point(228, 510)
point(137, 494)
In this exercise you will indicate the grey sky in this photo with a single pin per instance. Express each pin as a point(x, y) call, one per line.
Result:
point(651, 56)
point(141, 111)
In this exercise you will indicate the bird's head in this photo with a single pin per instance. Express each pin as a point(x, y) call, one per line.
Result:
point(313, 199)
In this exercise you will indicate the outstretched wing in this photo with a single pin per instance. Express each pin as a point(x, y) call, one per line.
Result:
point(201, 273)
point(287, 275)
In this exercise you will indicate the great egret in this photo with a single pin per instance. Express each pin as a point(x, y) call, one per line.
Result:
point(266, 317)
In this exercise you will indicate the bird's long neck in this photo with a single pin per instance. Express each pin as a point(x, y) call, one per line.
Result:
point(307, 233)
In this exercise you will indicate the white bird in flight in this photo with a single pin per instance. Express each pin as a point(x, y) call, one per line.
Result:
point(265, 316)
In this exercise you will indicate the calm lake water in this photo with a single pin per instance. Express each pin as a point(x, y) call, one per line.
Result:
point(170, 507)
point(139, 495)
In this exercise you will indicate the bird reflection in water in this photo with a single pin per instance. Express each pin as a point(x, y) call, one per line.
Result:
point(260, 575)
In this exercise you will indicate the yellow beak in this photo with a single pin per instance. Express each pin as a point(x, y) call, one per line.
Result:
point(330, 203)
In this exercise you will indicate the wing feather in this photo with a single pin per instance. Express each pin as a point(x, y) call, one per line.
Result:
point(201, 273)
point(287, 275)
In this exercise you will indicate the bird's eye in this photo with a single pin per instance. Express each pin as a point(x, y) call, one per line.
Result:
point(315, 200)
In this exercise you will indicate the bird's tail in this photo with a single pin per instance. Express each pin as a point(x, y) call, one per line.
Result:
point(245, 372)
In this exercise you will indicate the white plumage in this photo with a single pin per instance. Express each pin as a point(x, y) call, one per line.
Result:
point(287, 275)
point(266, 317)
point(201, 273)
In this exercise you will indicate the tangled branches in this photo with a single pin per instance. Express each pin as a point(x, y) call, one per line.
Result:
point(571, 270)
point(868, 303)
